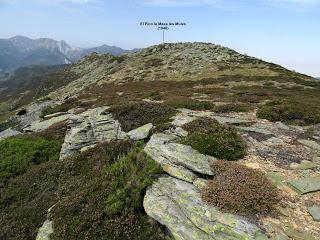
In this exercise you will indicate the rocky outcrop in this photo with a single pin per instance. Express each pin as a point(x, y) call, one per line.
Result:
point(89, 128)
point(178, 205)
point(164, 150)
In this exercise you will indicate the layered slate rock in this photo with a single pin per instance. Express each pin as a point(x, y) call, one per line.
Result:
point(89, 128)
point(178, 205)
point(164, 150)
point(42, 125)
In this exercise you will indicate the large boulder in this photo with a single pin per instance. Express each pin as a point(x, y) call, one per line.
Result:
point(178, 205)
point(89, 128)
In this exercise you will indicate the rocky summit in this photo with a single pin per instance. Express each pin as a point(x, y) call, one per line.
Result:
point(177, 141)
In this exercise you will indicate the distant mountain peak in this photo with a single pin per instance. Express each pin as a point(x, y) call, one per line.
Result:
point(19, 51)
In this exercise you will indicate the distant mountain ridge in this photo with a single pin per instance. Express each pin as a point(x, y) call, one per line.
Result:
point(22, 51)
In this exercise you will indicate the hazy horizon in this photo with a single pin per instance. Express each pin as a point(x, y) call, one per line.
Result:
point(285, 32)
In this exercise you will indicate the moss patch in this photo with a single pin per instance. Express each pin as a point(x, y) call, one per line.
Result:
point(239, 189)
point(212, 138)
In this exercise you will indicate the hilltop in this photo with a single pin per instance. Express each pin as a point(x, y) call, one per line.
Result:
point(176, 141)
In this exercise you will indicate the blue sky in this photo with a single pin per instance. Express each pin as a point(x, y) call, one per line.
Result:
point(282, 31)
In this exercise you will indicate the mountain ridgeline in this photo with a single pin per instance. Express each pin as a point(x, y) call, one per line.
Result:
point(21, 51)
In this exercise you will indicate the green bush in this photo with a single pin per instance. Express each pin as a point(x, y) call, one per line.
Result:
point(131, 175)
point(17, 154)
point(292, 111)
point(135, 114)
point(232, 108)
point(239, 189)
point(212, 138)
point(189, 103)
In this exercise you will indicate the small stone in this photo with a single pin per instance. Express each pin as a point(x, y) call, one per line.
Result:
point(57, 114)
point(305, 185)
point(141, 132)
point(253, 165)
point(315, 212)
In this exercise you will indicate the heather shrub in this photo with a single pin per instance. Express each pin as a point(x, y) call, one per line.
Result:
point(17, 154)
point(130, 176)
point(189, 103)
point(86, 190)
point(239, 189)
point(232, 108)
point(300, 111)
point(212, 138)
point(135, 114)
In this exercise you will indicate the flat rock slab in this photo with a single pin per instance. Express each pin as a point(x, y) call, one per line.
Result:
point(310, 144)
point(40, 126)
point(162, 150)
point(230, 120)
point(8, 133)
point(305, 185)
point(178, 205)
point(256, 130)
point(315, 212)
point(141, 132)
point(89, 128)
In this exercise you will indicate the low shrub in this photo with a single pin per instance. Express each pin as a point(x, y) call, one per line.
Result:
point(291, 111)
point(135, 114)
point(232, 108)
point(212, 138)
point(17, 154)
point(102, 198)
point(239, 189)
point(189, 103)
point(25, 200)
point(86, 190)
point(130, 177)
